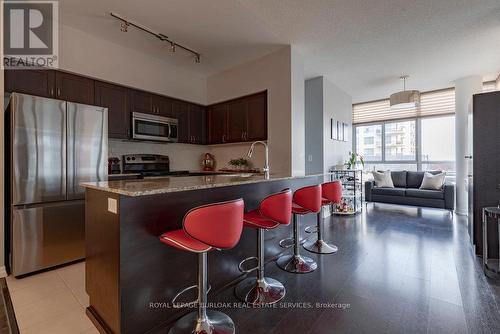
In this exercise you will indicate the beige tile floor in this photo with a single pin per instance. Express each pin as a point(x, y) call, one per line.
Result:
point(52, 302)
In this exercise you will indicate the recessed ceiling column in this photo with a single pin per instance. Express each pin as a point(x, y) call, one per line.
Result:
point(464, 89)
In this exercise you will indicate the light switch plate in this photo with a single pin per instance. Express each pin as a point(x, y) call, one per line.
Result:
point(112, 205)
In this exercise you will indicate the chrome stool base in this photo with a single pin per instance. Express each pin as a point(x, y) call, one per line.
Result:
point(265, 292)
point(297, 264)
point(320, 247)
point(289, 242)
point(215, 323)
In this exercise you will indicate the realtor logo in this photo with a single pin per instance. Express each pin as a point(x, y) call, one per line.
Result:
point(30, 34)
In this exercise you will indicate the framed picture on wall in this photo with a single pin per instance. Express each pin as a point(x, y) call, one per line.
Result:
point(340, 131)
point(345, 130)
point(334, 133)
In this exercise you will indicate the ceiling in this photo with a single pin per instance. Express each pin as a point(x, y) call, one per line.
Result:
point(362, 46)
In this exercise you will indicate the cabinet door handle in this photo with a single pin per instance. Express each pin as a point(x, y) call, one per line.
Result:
point(58, 91)
point(52, 92)
point(223, 138)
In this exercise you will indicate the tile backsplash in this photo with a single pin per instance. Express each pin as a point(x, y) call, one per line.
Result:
point(182, 156)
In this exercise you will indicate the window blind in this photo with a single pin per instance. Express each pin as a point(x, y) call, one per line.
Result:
point(431, 103)
point(439, 102)
point(489, 86)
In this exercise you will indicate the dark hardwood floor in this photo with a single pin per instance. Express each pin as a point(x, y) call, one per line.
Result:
point(399, 269)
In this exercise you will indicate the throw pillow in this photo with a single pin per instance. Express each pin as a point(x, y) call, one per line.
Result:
point(433, 182)
point(383, 179)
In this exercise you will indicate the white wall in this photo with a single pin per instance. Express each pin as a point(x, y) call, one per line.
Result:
point(464, 89)
point(86, 54)
point(337, 104)
point(273, 73)
point(313, 122)
point(324, 101)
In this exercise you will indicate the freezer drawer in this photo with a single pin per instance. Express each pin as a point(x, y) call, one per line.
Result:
point(47, 235)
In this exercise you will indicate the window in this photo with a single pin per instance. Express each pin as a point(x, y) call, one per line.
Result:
point(369, 142)
point(438, 138)
point(400, 141)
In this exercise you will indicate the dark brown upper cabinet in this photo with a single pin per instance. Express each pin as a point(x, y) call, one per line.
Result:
point(32, 82)
point(191, 119)
point(217, 123)
point(181, 112)
point(238, 120)
point(74, 88)
point(237, 112)
point(163, 106)
point(256, 117)
point(142, 102)
point(117, 100)
point(197, 126)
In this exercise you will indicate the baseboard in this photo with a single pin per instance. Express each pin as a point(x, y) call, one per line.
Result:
point(3, 272)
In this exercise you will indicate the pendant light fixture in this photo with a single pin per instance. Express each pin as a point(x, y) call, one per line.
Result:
point(406, 98)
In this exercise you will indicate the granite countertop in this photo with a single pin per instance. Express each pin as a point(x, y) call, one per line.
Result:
point(162, 184)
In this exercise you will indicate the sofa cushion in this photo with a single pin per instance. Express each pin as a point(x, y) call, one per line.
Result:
point(433, 182)
point(383, 179)
point(388, 191)
point(425, 193)
point(399, 179)
point(414, 179)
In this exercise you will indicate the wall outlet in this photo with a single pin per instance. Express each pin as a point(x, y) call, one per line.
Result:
point(112, 205)
point(310, 158)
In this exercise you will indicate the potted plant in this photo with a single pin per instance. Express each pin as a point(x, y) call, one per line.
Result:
point(352, 160)
point(240, 163)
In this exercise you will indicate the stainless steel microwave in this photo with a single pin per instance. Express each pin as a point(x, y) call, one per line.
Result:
point(153, 127)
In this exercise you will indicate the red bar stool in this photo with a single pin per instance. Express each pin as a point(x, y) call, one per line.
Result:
point(207, 227)
point(331, 193)
point(274, 210)
point(305, 200)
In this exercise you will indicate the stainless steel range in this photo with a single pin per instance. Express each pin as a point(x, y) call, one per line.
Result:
point(149, 165)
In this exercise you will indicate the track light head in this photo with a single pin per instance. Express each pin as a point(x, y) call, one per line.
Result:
point(172, 46)
point(197, 59)
point(124, 26)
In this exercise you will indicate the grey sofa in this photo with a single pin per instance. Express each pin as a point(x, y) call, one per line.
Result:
point(406, 191)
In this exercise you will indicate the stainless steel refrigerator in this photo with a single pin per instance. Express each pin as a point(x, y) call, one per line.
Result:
point(54, 145)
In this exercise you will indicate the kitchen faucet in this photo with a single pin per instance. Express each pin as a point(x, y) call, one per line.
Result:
point(266, 163)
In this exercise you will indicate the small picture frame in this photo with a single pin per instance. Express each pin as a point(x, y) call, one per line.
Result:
point(334, 133)
point(345, 130)
point(340, 130)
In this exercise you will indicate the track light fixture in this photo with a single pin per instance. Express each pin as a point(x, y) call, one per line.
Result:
point(173, 46)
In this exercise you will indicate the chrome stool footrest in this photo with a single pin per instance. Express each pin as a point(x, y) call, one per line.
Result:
point(246, 271)
point(311, 229)
point(186, 304)
point(289, 242)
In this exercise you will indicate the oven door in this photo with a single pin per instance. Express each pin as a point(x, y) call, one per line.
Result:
point(149, 127)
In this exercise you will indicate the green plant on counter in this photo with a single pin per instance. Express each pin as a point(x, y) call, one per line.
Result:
point(239, 163)
point(352, 159)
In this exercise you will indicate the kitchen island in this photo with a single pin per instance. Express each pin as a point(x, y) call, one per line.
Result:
point(131, 277)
